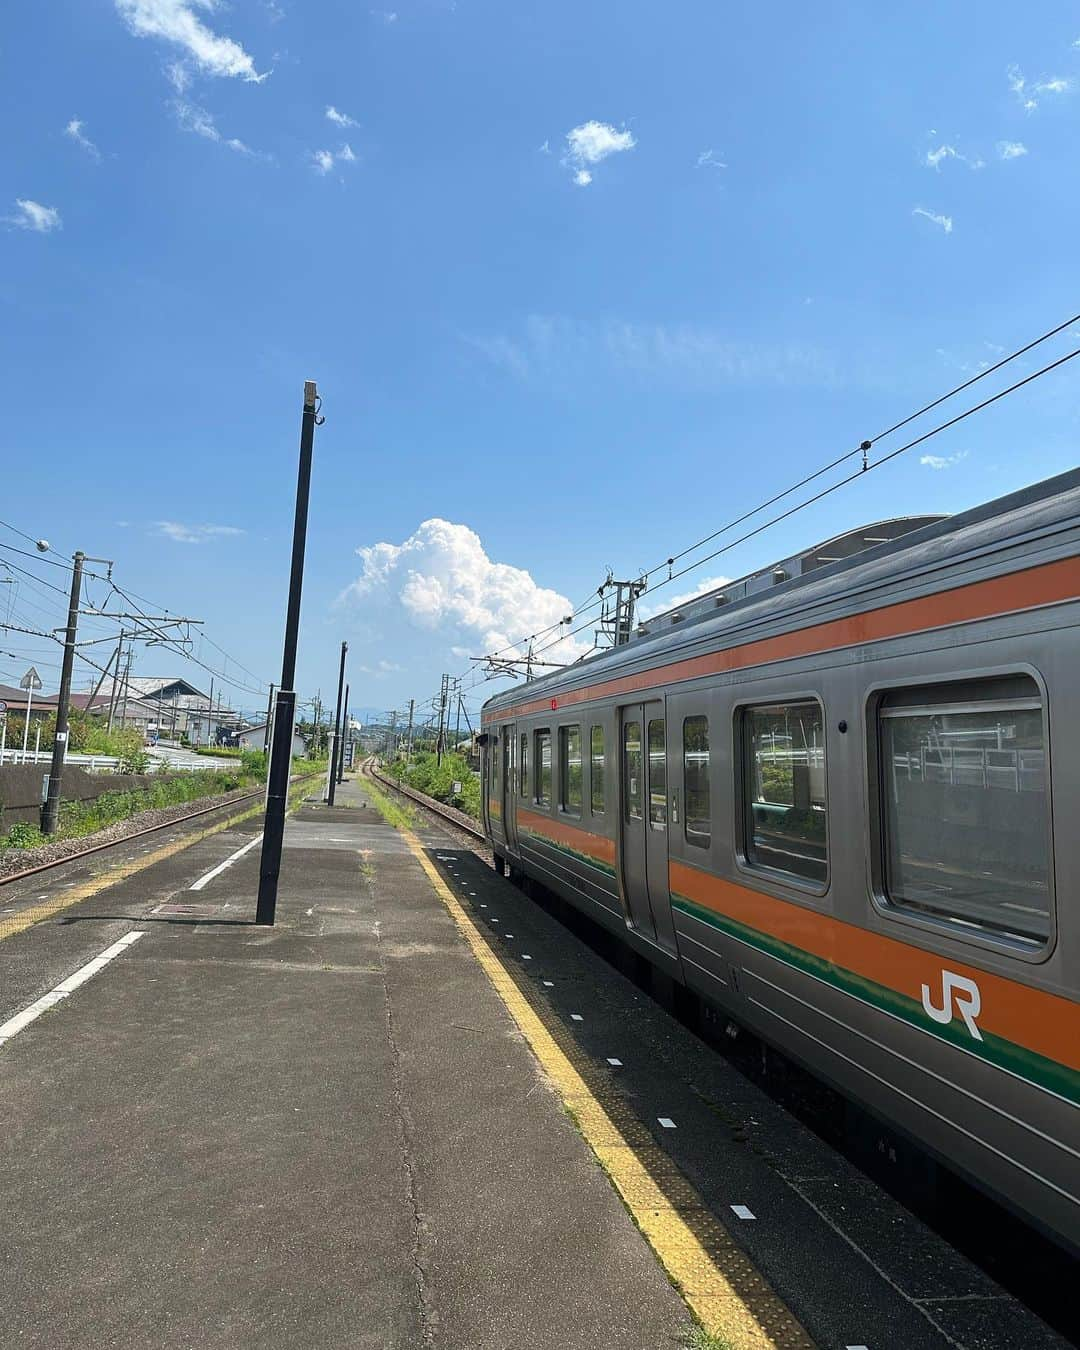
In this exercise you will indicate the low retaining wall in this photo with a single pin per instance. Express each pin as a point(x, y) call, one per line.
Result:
point(20, 789)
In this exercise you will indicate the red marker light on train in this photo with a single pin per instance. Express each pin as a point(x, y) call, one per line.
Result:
point(554, 704)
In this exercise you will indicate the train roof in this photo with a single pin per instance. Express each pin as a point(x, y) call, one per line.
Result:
point(857, 560)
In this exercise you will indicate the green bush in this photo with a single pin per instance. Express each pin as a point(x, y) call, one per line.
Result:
point(253, 763)
point(23, 835)
point(426, 775)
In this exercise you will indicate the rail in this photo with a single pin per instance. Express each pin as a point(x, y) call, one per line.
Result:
point(455, 817)
point(150, 829)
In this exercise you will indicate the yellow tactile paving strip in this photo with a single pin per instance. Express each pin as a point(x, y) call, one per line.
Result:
point(725, 1292)
point(111, 876)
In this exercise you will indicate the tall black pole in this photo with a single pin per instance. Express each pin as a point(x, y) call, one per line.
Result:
point(344, 737)
point(281, 743)
point(50, 811)
point(335, 751)
point(269, 719)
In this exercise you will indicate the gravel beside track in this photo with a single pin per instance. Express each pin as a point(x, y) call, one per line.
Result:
point(15, 860)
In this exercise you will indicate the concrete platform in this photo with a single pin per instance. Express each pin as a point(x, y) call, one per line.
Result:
point(334, 1133)
point(326, 1134)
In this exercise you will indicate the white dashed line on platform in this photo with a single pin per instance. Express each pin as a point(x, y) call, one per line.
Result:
point(576, 1017)
point(525, 956)
point(550, 984)
point(667, 1122)
point(216, 871)
point(615, 1063)
point(742, 1212)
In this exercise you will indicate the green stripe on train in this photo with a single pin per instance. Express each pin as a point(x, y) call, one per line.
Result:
point(569, 852)
point(996, 1050)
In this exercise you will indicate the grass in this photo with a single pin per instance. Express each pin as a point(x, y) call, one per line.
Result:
point(700, 1339)
point(399, 817)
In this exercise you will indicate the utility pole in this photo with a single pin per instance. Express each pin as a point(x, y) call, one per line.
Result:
point(281, 744)
point(210, 715)
point(50, 812)
point(408, 736)
point(390, 733)
point(344, 736)
point(439, 741)
point(269, 719)
point(335, 750)
point(127, 686)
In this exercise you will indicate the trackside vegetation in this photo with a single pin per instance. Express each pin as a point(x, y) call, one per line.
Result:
point(426, 775)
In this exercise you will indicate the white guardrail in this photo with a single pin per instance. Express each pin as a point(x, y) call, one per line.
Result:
point(111, 764)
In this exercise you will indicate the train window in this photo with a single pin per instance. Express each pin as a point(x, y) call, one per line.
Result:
point(965, 816)
point(657, 775)
point(524, 767)
point(596, 770)
point(495, 753)
point(697, 823)
point(542, 768)
point(570, 770)
point(508, 764)
point(786, 818)
point(632, 770)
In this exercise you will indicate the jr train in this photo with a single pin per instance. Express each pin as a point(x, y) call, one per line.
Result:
point(840, 800)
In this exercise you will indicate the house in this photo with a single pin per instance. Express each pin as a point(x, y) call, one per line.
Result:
point(254, 738)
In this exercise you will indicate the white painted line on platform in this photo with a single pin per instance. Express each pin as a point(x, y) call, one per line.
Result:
point(21, 1020)
point(216, 871)
point(307, 912)
point(483, 906)
point(742, 1212)
point(856, 1347)
point(576, 1017)
point(494, 921)
point(525, 956)
point(550, 984)
point(509, 935)
point(615, 1063)
point(667, 1122)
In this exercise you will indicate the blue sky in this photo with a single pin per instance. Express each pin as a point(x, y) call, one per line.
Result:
point(581, 281)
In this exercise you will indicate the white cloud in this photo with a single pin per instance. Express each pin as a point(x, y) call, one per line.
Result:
point(31, 215)
point(441, 580)
point(322, 161)
point(944, 221)
point(544, 149)
point(708, 159)
point(193, 534)
point(179, 76)
point(1025, 92)
point(201, 123)
point(339, 118)
point(177, 21)
point(74, 131)
point(937, 462)
point(935, 157)
point(589, 144)
point(1011, 149)
point(560, 350)
point(665, 602)
point(387, 16)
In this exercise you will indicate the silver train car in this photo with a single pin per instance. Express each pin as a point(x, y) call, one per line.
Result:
point(840, 801)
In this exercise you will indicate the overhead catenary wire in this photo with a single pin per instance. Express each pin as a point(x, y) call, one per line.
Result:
point(861, 449)
point(851, 478)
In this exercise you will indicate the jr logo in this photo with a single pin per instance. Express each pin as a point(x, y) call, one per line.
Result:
point(965, 994)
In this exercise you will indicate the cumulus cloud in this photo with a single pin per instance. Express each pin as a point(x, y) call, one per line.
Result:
point(201, 123)
point(339, 119)
point(74, 131)
point(665, 602)
point(441, 580)
point(944, 221)
point(591, 143)
point(322, 161)
point(177, 21)
point(1011, 149)
point(938, 462)
point(31, 215)
point(193, 534)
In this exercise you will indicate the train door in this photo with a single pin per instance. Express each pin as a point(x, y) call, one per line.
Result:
point(643, 833)
point(509, 784)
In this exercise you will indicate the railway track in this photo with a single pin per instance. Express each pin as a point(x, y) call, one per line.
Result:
point(136, 834)
point(457, 819)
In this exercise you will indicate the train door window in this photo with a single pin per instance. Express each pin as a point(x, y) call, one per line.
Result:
point(495, 753)
point(786, 819)
point(570, 770)
point(965, 815)
point(508, 763)
point(542, 768)
point(596, 770)
point(657, 775)
point(524, 766)
point(632, 785)
point(697, 821)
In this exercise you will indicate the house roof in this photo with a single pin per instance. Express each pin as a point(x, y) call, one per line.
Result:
point(168, 685)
